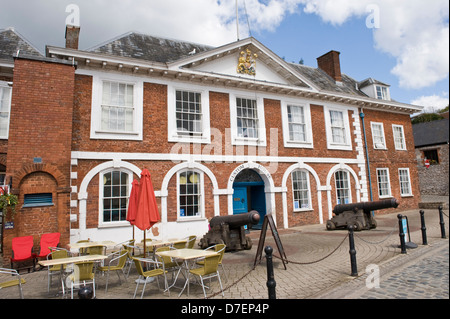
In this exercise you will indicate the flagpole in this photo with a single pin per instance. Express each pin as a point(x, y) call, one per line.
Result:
point(237, 21)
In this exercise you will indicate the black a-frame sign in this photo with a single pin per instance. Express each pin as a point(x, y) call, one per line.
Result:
point(268, 220)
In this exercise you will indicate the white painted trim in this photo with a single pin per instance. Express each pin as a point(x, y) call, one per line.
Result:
point(172, 134)
point(83, 194)
point(287, 173)
point(309, 143)
point(269, 186)
point(138, 114)
point(334, 107)
point(262, 138)
point(176, 158)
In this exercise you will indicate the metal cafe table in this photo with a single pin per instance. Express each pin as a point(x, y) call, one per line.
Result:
point(186, 255)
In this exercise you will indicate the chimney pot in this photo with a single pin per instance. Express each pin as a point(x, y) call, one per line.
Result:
point(72, 36)
point(330, 64)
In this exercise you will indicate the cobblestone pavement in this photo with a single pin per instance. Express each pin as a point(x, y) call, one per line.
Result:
point(318, 268)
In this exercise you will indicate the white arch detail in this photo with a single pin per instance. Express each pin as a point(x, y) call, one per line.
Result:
point(83, 194)
point(177, 168)
point(269, 186)
point(287, 173)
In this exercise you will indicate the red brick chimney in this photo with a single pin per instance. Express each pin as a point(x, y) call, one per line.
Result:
point(72, 37)
point(329, 62)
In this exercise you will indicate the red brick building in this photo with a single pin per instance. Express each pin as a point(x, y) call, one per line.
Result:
point(222, 130)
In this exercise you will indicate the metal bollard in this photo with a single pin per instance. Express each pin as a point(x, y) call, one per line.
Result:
point(423, 228)
point(402, 234)
point(352, 251)
point(441, 222)
point(271, 284)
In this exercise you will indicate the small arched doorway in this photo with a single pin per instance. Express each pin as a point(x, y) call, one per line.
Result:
point(249, 194)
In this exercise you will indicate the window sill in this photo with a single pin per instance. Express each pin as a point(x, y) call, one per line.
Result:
point(303, 210)
point(37, 205)
point(190, 219)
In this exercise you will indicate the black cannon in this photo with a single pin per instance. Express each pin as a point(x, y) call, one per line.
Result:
point(230, 230)
point(358, 214)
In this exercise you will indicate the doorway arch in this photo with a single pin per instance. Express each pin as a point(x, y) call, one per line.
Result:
point(254, 182)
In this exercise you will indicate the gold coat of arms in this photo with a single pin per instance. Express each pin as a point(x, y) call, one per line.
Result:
point(247, 63)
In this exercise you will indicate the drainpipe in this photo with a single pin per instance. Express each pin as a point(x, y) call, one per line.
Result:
point(361, 114)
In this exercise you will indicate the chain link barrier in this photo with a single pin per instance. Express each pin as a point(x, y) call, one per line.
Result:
point(316, 261)
point(394, 228)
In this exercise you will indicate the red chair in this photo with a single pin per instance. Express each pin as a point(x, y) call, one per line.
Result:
point(22, 250)
point(48, 240)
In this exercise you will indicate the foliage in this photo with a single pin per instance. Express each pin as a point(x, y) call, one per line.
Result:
point(426, 117)
point(8, 203)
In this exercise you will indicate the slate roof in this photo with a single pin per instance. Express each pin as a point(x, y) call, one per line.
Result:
point(149, 48)
point(11, 41)
point(156, 49)
point(326, 83)
point(431, 133)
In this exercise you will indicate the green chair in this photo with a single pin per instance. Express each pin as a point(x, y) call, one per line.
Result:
point(83, 251)
point(180, 245)
point(191, 241)
point(144, 275)
point(11, 283)
point(219, 248)
point(96, 250)
point(208, 271)
point(56, 253)
point(82, 275)
point(116, 263)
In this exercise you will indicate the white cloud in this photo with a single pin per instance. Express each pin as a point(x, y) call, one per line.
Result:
point(432, 103)
point(415, 32)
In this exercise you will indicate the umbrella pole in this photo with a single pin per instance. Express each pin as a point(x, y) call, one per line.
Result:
point(145, 253)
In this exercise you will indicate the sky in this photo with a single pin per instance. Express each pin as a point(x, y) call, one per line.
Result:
point(404, 43)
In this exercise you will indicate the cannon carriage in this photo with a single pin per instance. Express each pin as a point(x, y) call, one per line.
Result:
point(230, 230)
point(358, 214)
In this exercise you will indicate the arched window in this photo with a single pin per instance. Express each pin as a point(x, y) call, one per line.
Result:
point(343, 193)
point(301, 190)
point(190, 194)
point(114, 194)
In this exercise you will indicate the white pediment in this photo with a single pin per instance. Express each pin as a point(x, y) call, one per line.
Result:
point(224, 61)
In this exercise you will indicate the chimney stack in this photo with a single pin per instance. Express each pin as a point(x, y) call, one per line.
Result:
point(329, 62)
point(72, 36)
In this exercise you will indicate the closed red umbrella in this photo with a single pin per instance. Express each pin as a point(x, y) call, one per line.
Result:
point(133, 203)
point(147, 209)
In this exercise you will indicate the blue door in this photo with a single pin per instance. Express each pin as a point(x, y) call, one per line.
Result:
point(240, 205)
point(258, 197)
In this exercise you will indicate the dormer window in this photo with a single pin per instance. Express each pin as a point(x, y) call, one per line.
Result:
point(375, 89)
point(382, 92)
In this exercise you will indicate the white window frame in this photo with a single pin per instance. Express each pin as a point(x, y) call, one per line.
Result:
point(349, 190)
point(96, 108)
point(388, 183)
point(101, 223)
point(308, 143)
point(173, 133)
point(408, 182)
point(235, 140)
point(201, 216)
point(300, 209)
point(347, 146)
point(399, 148)
point(376, 146)
point(5, 86)
point(384, 90)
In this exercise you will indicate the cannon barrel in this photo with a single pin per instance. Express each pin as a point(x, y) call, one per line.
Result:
point(366, 206)
point(235, 221)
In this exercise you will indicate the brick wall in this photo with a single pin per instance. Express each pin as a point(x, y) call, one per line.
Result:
point(39, 152)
